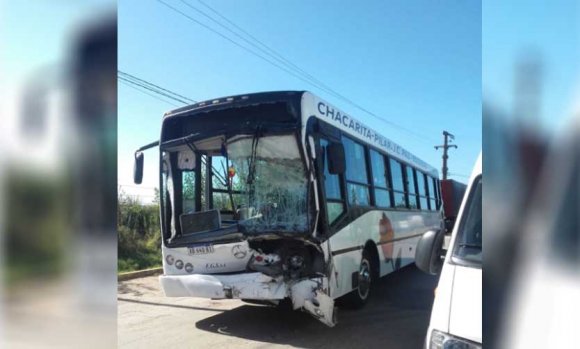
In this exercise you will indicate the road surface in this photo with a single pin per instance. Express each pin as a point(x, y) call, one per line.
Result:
point(396, 317)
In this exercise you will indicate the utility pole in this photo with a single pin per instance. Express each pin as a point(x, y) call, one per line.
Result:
point(447, 138)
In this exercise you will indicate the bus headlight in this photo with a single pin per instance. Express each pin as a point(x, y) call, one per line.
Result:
point(169, 259)
point(441, 340)
point(179, 264)
point(189, 268)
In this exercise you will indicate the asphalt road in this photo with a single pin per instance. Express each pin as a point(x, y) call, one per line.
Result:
point(397, 316)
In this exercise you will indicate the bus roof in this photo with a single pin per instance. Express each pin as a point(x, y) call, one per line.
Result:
point(237, 100)
point(338, 118)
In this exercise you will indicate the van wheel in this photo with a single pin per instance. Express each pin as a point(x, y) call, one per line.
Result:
point(359, 296)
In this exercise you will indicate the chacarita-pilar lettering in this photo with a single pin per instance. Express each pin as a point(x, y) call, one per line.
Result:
point(346, 121)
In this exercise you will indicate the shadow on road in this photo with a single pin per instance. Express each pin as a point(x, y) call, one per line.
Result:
point(397, 315)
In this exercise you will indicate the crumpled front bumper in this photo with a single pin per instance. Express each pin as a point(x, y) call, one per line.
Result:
point(244, 285)
point(307, 294)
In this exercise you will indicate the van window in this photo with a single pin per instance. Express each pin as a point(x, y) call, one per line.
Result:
point(469, 236)
point(566, 242)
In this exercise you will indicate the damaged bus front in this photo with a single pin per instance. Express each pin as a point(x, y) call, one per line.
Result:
point(238, 208)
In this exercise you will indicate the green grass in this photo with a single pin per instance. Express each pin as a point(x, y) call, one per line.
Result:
point(139, 262)
point(139, 236)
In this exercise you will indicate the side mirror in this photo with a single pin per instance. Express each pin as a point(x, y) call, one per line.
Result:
point(429, 251)
point(336, 160)
point(138, 168)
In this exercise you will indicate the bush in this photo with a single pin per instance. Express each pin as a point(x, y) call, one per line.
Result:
point(139, 236)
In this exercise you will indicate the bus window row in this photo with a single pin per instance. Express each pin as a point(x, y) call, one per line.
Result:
point(378, 180)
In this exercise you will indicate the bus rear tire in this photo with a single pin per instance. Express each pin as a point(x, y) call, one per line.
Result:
point(361, 294)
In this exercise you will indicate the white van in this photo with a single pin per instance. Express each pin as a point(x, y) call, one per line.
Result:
point(456, 315)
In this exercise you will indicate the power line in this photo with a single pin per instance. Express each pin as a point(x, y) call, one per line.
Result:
point(274, 52)
point(239, 45)
point(259, 45)
point(159, 92)
point(296, 71)
point(147, 93)
point(127, 75)
point(317, 83)
point(154, 88)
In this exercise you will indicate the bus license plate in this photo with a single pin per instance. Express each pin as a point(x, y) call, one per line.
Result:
point(204, 249)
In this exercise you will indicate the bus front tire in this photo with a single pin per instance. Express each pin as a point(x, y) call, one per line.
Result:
point(361, 294)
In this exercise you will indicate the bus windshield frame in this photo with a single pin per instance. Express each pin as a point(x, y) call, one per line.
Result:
point(269, 180)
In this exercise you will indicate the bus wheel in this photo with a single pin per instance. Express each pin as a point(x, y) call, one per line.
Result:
point(359, 296)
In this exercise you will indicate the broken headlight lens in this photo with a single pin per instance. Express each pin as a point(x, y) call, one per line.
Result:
point(442, 340)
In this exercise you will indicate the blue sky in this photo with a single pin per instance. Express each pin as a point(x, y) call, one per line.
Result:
point(415, 63)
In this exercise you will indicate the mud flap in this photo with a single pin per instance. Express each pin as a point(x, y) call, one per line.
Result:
point(309, 296)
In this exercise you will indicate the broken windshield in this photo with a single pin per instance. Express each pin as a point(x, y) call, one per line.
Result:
point(271, 177)
point(257, 182)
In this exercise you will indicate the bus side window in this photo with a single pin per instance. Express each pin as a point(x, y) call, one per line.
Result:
point(357, 181)
point(398, 183)
point(188, 185)
point(411, 191)
point(380, 180)
point(334, 197)
point(432, 194)
point(421, 186)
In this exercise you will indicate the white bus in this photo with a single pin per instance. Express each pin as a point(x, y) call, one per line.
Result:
point(279, 195)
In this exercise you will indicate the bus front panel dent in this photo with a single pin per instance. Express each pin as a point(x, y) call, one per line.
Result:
point(307, 294)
